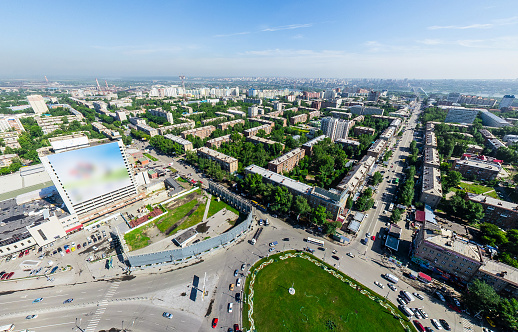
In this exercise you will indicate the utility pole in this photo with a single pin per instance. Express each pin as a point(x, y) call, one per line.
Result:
point(78, 326)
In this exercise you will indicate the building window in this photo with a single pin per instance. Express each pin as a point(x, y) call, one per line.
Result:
point(42, 235)
point(28, 241)
point(15, 247)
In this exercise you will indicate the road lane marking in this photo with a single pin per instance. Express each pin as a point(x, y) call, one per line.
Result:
point(40, 327)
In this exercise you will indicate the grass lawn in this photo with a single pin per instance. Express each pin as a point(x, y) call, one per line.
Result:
point(194, 219)
point(321, 301)
point(215, 206)
point(174, 216)
point(150, 157)
point(137, 239)
point(478, 189)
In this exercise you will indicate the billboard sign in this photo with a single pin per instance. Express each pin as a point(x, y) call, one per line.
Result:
point(91, 172)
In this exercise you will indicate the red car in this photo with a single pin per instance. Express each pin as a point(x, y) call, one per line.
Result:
point(214, 323)
point(4, 276)
point(26, 252)
point(373, 237)
point(9, 276)
point(20, 254)
point(418, 325)
point(236, 328)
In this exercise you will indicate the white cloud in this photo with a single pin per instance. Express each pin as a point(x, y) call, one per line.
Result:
point(293, 53)
point(233, 34)
point(431, 41)
point(288, 27)
point(460, 27)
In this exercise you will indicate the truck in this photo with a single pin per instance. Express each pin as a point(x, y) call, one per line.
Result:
point(408, 296)
point(390, 277)
point(404, 309)
point(256, 236)
point(7, 328)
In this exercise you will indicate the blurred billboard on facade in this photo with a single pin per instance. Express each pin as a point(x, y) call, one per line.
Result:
point(91, 172)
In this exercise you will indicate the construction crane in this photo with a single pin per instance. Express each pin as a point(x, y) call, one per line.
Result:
point(106, 84)
point(46, 80)
point(183, 86)
point(98, 87)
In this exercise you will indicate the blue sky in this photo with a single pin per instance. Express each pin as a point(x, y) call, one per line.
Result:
point(381, 39)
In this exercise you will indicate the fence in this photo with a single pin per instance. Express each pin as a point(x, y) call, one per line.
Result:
point(182, 254)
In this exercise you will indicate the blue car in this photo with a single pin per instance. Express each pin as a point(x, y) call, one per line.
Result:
point(39, 299)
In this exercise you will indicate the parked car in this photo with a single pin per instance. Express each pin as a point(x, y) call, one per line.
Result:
point(243, 266)
point(39, 299)
point(229, 307)
point(418, 325)
point(350, 255)
point(436, 323)
point(236, 327)
point(167, 315)
point(419, 296)
point(445, 324)
point(238, 297)
point(215, 323)
point(31, 316)
point(236, 272)
point(68, 301)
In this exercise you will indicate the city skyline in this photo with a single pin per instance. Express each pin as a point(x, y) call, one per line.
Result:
point(296, 39)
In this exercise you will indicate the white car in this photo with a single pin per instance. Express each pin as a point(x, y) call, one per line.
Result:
point(350, 255)
point(238, 282)
point(392, 287)
point(419, 296)
point(230, 307)
point(436, 323)
point(380, 285)
point(423, 313)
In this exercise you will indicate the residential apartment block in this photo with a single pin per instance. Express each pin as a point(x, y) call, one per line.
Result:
point(363, 110)
point(363, 131)
point(388, 133)
point(332, 200)
point(163, 130)
point(10, 139)
point(492, 120)
point(341, 114)
point(308, 146)
point(202, 132)
point(216, 142)
point(377, 148)
point(430, 140)
point(187, 145)
point(431, 158)
point(227, 163)
point(298, 118)
point(286, 162)
point(260, 140)
point(48, 124)
point(501, 213)
point(100, 128)
point(148, 129)
point(253, 131)
point(474, 149)
point(225, 125)
point(431, 189)
point(335, 128)
point(478, 169)
point(225, 114)
point(263, 121)
point(313, 114)
point(204, 122)
point(161, 113)
point(357, 175)
point(276, 119)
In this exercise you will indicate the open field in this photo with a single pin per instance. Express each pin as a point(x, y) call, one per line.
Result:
point(321, 302)
point(478, 189)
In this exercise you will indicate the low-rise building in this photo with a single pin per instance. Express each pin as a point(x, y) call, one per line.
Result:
point(100, 128)
point(165, 129)
point(263, 121)
point(363, 131)
point(148, 129)
point(431, 158)
point(49, 124)
point(308, 146)
point(201, 132)
point(277, 119)
point(477, 169)
point(225, 114)
point(236, 112)
point(431, 189)
point(346, 142)
point(254, 131)
point(216, 142)
point(227, 163)
point(313, 114)
point(363, 110)
point(10, 139)
point(286, 162)
point(204, 122)
point(260, 140)
point(225, 125)
point(430, 140)
point(332, 200)
point(7, 159)
point(442, 251)
point(253, 111)
point(186, 145)
point(300, 118)
point(474, 149)
point(376, 148)
point(161, 113)
point(341, 114)
point(501, 213)
point(357, 175)
point(495, 144)
point(388, 133)
point(502, 277)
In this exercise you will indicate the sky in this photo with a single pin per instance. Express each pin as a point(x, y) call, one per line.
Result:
point(283, 38)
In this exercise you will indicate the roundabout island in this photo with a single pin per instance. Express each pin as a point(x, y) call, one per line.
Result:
point(295, 291)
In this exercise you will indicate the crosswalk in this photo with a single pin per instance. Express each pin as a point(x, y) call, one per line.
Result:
point(92, 325)
point(466, 325)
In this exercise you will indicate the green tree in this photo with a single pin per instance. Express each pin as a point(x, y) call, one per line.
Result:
point(319, 215)
point(377, 177)
point(492, 234)
point(481, 297)
point(330, 227)
point(508, 313)
point(301, 205)
point(281, 199)
point(396, 215)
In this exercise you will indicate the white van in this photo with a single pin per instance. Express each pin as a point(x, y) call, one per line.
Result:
point(404, 309)
point(391, 278)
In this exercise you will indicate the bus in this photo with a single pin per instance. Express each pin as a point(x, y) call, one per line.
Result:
point(408, 296)
point(314, 241)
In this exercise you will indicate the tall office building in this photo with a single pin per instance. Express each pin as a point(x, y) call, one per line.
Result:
point(507, 101)
point(92, 181)
point(335, 128)
point(38, 104)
